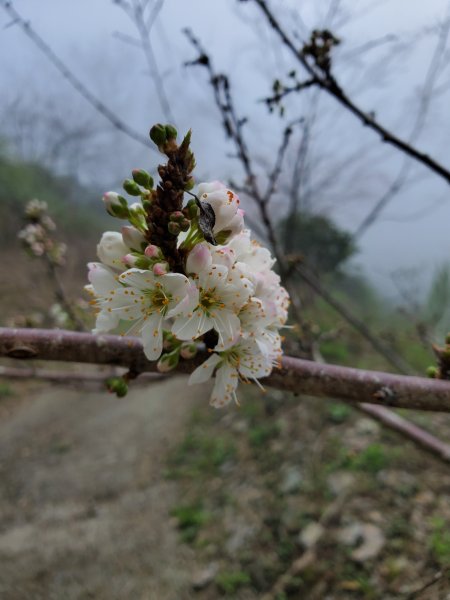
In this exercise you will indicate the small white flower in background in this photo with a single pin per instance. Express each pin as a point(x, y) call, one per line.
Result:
point(225, 295)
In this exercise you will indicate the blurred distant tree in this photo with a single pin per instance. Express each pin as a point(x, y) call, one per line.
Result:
point(316, 237)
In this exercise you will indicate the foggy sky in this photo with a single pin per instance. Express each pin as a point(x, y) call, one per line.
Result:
point(241, 45)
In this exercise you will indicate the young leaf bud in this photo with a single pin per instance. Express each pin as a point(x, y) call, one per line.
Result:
point(184, 224)
point(171, 132)
point(158, 134)
point(131, 187)
point(143, 178)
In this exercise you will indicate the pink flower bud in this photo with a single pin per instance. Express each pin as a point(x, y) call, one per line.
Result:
point(152, 251)
point(160, 268)
point(199, 259)
point(129, 260)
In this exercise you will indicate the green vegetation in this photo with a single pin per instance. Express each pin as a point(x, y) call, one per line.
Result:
point(229, 582)
point(440, 541)
point(190, 518)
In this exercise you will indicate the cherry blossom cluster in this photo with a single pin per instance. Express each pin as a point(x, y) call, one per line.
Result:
point(211, 286)
point(37, 235)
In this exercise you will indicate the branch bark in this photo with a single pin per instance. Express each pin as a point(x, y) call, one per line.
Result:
point(296, 375)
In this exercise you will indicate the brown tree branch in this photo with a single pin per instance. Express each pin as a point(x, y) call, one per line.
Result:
point(295, 375)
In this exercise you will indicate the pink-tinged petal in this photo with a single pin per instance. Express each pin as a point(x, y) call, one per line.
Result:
point(152, 337)
point(205, 370)
point(224, 390)
point(102, 279)
point(199, 259)
point(138, 278)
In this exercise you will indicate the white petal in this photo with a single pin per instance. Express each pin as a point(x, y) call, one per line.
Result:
point(152, 337)
point(190, 328)
point(138, 278)
point(105, 322)
point(228, 326)
point(205, 370)
point(225, 386)
point(102, 279)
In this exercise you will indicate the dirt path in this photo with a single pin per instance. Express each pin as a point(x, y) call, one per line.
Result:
point(84, 506)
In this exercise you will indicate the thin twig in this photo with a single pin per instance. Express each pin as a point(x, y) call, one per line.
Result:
point(329, 84)
point(76, 83)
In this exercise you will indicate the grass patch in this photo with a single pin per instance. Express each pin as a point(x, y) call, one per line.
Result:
point(229, 582)
point(440, 541)
point(200, 455)
point(191, 518)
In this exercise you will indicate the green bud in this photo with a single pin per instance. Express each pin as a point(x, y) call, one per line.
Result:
point(188, 350)
point(184, 224)
point(142, 262)
point(143, 178)
point(158, 134)
point(192, 209)
point(146, 204)
point(173, 228)
point(131, 187)
point(171, 132)
point(176, 216)
point(116, 205)
point(433, 372)
point(189, 184)
point(118, 386)
point(169, 361)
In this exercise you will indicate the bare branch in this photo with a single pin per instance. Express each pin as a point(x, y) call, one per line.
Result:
point(295, 375)
point(99, 106)
point(328, 83)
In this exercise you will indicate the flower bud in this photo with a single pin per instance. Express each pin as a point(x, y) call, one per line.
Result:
point(118, 386)
point(176, 216)
point(143, 178)
point(152, 251)
point(111, 249)
point(168, 362)
point(158, 134)
point(171, 132)
point(132, 237)
point(173, 228)
point(131, 187)
point(433, 372)
point(188, 351)
point(115, 205)
point(199, 259)
point(192, 209)
point(129, 260)
point(189, 185)
point(160, 268)
point(184, 224)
